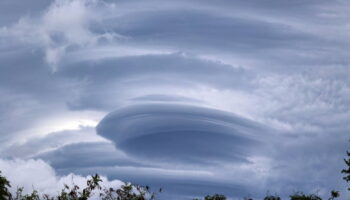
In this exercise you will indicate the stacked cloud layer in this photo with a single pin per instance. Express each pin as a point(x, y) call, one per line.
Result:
point(181, 133)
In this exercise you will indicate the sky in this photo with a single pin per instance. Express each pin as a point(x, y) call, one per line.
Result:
point(243, 98)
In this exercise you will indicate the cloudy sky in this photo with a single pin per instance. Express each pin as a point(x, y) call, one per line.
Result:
point(194, 96)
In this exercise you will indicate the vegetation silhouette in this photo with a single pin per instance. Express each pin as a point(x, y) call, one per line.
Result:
point(4, 185)
point(93, 189)
point(347, 171)
point(214, 197)
point(125, 192)
point(272, 197)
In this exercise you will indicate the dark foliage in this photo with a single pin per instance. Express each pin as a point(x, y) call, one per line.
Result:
point(4, 185)
point(334, 194)
point(347, 171)
point(214, 197)
point(302, 196)
point(272, 197)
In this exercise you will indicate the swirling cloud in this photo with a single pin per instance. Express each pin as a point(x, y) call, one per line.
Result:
point(175, 132)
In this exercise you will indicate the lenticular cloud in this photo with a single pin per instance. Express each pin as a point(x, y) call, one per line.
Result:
point(184, 133)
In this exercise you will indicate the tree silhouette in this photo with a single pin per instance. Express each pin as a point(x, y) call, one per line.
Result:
point(334, 195)
point(214, 197)
point(125, 192)
point(4, 185)
point(302, 196)
point(272, 197)
point(347, 171)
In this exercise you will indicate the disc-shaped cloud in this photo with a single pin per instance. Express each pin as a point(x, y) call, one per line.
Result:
point(180, 133)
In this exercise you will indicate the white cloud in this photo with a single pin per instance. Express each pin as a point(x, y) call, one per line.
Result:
point(65, 24)
point(38, 175)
